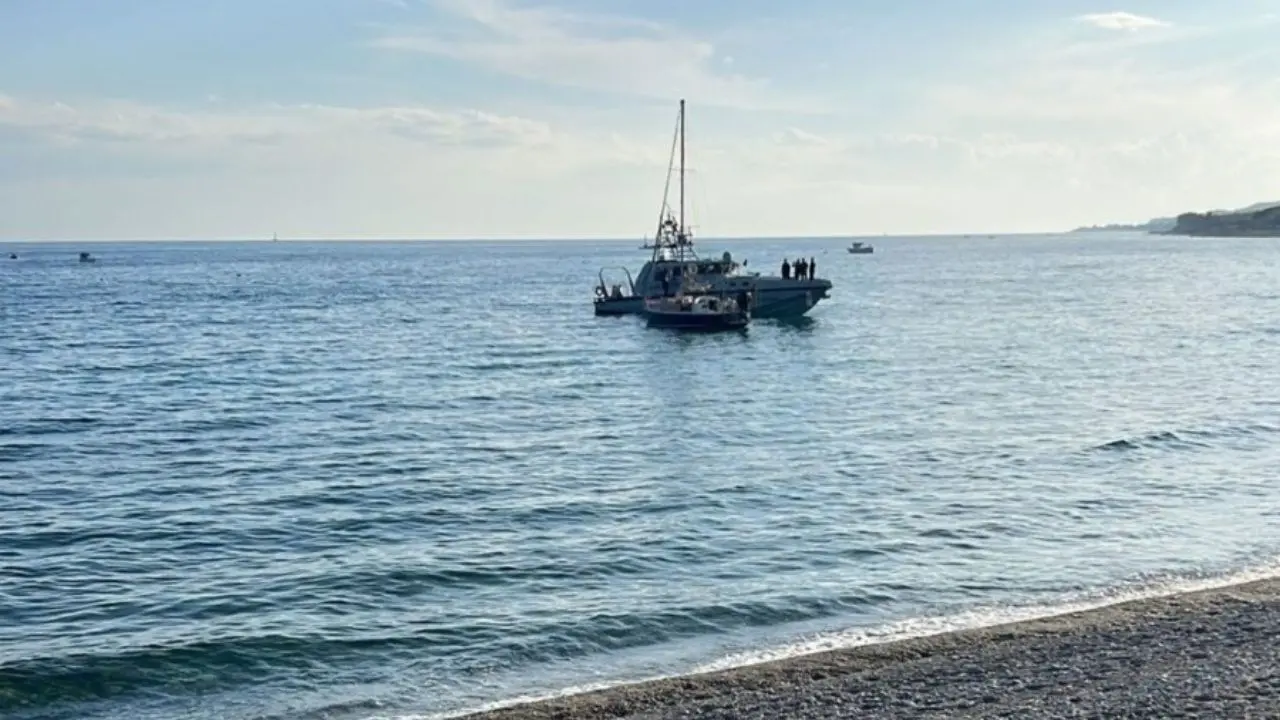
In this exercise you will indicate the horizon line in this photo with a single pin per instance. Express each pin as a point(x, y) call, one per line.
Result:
point(527, 238)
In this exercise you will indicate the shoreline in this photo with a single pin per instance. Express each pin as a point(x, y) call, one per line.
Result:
point(1208, 652)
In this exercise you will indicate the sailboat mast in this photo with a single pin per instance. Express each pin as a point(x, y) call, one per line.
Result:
point(682, 130)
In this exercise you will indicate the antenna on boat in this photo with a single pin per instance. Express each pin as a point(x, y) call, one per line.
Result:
point(682, 143)
point(672, 240)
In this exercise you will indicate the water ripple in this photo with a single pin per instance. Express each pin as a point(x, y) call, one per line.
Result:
point(337, 480)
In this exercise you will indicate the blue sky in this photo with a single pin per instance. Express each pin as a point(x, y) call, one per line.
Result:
point(513, 118)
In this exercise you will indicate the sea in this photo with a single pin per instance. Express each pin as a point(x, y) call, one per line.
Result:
point(353, 480)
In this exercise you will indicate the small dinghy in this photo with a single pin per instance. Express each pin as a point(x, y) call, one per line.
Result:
point(699, 308)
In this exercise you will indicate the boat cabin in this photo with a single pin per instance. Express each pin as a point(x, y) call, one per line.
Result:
point(701, 304)
point(724, 273)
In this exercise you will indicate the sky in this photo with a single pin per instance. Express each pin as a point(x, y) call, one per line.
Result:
point(155, 119)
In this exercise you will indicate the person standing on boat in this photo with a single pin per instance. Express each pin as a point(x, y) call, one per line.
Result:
point(813, 264)
point(786, 270)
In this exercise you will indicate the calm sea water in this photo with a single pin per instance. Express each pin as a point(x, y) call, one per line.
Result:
point(287, 480)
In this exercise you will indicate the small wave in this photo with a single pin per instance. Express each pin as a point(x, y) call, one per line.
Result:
point(216, 664)
point(179, 669)
point(425, 581)
point(1149, 440)
point(1185, 439)
point(991, 616)
point(50, 426)
point(919, 627)
point(23, 451)
point(195, 428)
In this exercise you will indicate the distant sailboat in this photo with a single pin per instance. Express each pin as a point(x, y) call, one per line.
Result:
point(274, 238)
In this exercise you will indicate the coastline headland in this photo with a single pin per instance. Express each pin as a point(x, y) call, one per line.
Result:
point(1257, 220)
point(1256, 223)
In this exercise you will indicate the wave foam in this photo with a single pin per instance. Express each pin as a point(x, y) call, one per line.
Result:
point(911, 628)
point(991, 616)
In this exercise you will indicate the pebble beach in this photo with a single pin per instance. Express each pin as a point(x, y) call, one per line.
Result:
point(1207, 654)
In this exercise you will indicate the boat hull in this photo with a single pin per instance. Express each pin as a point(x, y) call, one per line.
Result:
point(782, 299)
point(861, 251)
point(698, 322)
point(619, 306)
point(778, 300)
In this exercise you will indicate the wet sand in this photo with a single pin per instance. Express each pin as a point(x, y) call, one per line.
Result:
point(1209, 654)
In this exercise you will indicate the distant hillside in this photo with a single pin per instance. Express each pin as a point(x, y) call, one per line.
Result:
point(1153, 226)
point(1251, 220)
point(1261, 220)
point(1255, 207)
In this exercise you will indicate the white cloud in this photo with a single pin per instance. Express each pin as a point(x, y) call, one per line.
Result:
point(118, 121)
point(1052, 133)
point(593, 52)
point(805, 137)
point(1122, 134)
point(134, 170)
point(1122, 21)
point(1038, 149)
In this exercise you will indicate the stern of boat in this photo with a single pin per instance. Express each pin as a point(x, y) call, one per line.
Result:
point(618, 298)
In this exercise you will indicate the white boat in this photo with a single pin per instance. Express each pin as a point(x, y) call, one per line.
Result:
point(673, 256)
point(858, 248)
point(698, 308)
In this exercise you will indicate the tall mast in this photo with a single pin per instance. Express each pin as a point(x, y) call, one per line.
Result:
point(682, 225)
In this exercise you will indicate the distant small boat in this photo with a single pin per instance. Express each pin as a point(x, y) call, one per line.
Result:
point(861, 249)
point(87, 258)
point(13, 256)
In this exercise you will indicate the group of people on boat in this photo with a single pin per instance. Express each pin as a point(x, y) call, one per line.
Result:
point(803, 269)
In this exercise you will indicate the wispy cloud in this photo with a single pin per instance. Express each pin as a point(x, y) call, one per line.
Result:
point(1136, 130)
point(1125, 21)
point(122, 121)
point(1053, 119)
point(593, 52)
point(307, 169)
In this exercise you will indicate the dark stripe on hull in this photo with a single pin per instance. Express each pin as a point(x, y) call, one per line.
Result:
point(789, 303)
point(630, 306)
point(697, 322)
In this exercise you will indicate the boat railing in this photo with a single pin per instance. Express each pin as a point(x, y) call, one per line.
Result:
point(602, 290)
